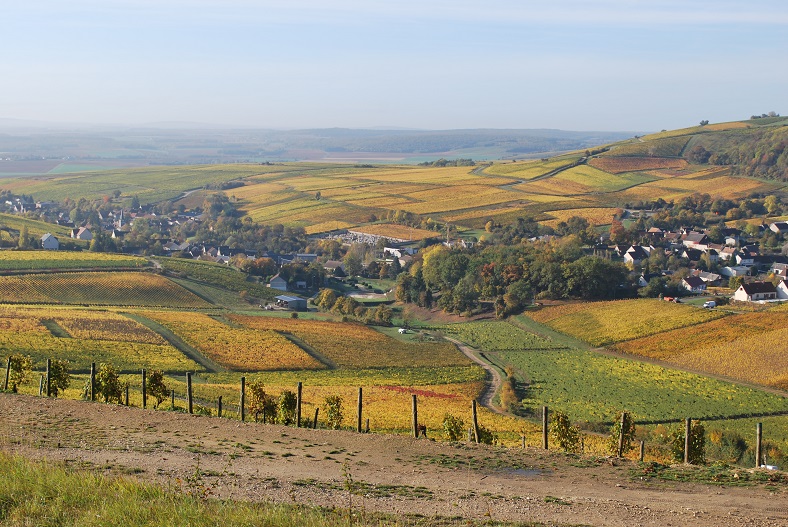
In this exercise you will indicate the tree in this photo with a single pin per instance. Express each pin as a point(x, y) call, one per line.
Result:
point(334, 414)
point(21, 366)
point(24, 238)
point(135, 202)
point(59, 378)
point(704, 122)
point(156, 387)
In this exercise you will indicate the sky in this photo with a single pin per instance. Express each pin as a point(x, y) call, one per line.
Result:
point(612, 65)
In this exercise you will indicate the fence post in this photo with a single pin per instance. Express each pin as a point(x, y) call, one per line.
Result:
point(415, 414)
point(41, 386)
point(298, 405)
point(92, 381)
point(7, 373)
point(642, 450)
point(687, 433)
point(172, 399)
point(621, 434)
point(189, 399)
point(758, 444)
point(144, 389)
point(475, 422)
point(545, 444)
point(243, 399)
point(219, 406)
point(49, 377)
point(314, 423)
point(366, 425)
point(359, 408)
point(127, 394)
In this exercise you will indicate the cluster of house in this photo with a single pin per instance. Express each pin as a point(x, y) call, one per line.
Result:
point(734, 257)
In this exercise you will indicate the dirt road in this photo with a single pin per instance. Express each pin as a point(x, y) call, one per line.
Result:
point(249, 461)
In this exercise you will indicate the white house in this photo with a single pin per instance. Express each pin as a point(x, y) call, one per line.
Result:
point(49, 242)
point(755, 291)
point(277, 282)
point(693, 284)
point(782, 290)
point(83, 233)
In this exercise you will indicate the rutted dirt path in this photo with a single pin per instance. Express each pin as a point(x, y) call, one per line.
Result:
point(494, 380)
point(249, 461)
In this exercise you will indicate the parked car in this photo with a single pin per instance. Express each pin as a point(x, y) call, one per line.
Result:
point(710, 304)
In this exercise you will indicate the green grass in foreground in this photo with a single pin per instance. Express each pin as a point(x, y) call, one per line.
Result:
point(38, 493)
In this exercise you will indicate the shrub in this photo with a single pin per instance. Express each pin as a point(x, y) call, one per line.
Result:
point(488, 437)
point(697, 444)
point(21, 366)
point(629, 433)
point(566, 436)
point(108, 383)
point(287, 407)
point(59, 378)
point(260, 403)
point(156, 387)
point(453, 427)
point(334, 413)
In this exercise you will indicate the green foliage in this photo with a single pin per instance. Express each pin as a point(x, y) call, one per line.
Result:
point(334, 415)
point(487, 436)
point(562, 433)
point(453, 427)
point(697, 445)
point(629, 433)
point(21, 366)
point(156, 387)
point(108, 384)
point(59, 378)
point(287, 407)
point(260, 403)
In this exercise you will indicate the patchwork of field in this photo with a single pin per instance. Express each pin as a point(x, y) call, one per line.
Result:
point(34, 227)
point(605, 323)
point(595, 216)
point(97, 288)
point(83, 337)
point(752, 347)
point(617, 165)
point(399, 232)
point(36, 260)
point(530, 169)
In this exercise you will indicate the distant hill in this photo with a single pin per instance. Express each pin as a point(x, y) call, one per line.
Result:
point(756, 147)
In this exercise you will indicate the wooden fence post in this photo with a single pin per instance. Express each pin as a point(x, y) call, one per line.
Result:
point(642, 450)
point(172, 399)
point(358, 409)
point(126, 400)
point(687, 433)
point(243, 399)
point(415, 415)
point(189, 393)
point(758, 444)
point(219, 406)
point(41, 386)
point(314, 423)
point(49, 377)
point(298, 404)
point(621, 434)
point(545, 443)
point(144, 389)
point(366, 425)
point(475, 422)
point(92, 381)
point(7, 373)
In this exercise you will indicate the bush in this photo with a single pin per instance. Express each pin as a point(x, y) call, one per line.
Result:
point(629, 433)
point(21, 366)
point(257, 399)
point(287, 407)
point(566, 436)
point(697, 446)
point(59, 378)
point(334, 412)
point(108, 383)
point(487, 436)
point(453, 427)
point(156, 387)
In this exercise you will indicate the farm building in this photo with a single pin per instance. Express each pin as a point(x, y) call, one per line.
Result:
point(277, 282)
point(49, 242)
point(291, 302)
point(755, 291)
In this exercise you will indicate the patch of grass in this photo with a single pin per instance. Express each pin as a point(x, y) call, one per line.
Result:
point(715, 474)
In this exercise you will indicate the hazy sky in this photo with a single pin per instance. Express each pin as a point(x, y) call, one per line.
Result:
point(570, 64)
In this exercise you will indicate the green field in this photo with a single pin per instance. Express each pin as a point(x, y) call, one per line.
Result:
point(217, 275)
point(64, 260)
point(498, 336)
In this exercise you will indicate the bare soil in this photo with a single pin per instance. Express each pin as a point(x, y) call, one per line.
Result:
point(256, 462)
